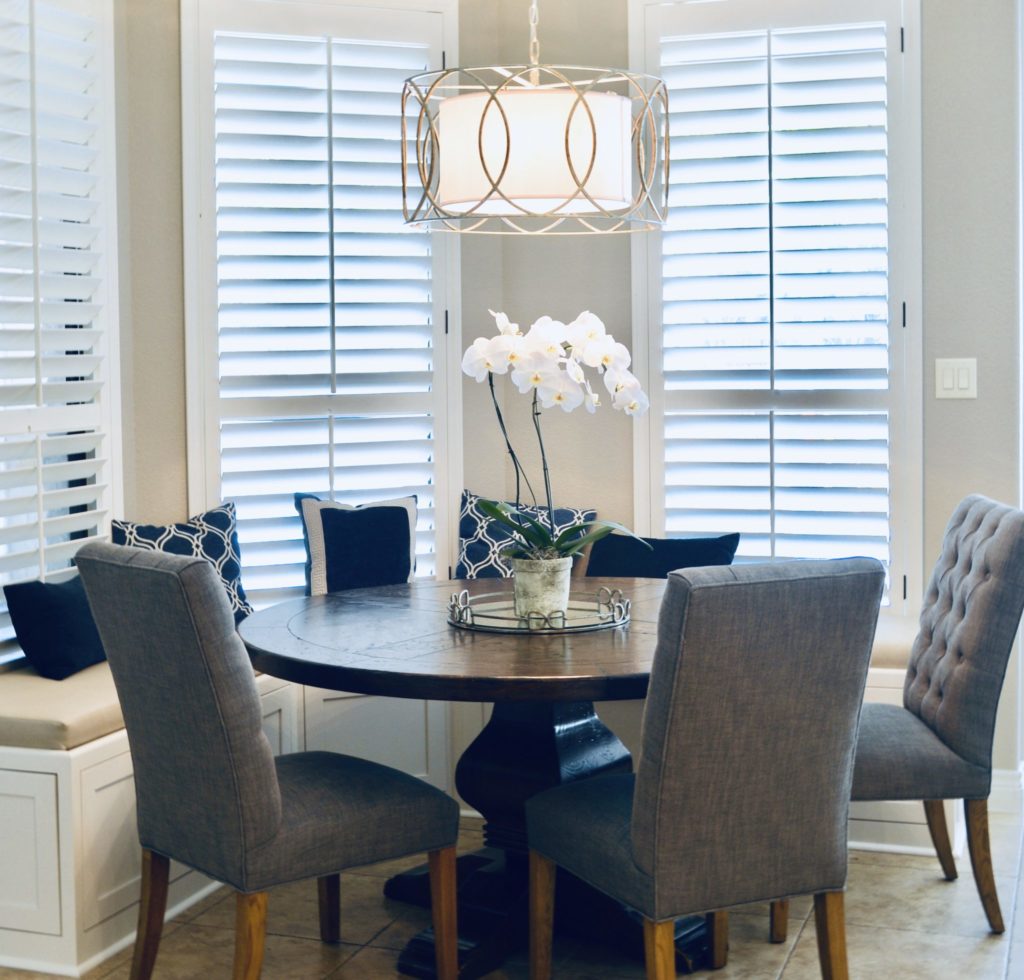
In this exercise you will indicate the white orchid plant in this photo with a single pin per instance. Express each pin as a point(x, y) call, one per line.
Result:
point(549, 361)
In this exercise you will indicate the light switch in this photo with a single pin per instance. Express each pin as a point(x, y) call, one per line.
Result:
point(956, 377)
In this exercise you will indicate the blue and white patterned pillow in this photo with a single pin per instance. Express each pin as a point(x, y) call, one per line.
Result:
point(482, 539)
point(213, 536)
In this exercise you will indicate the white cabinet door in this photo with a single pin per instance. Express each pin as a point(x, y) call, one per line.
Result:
point(400, 732)
point(30, 882)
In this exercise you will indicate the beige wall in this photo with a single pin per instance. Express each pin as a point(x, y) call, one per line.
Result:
point(971, 263)
point(971, 270)
point(152, 306)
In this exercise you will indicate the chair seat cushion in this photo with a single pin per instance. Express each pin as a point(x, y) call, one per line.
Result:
point(585, 827)
point(341, 812)
point(900, 758)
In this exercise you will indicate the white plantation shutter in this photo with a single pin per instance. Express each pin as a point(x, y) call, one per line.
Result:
point(327, 306)
point(56, 309)
point(778, 395)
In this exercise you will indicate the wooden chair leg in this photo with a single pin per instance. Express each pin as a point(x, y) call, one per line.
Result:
point(329, 895)
point(542, 914)
point(659, 949)
point(250, 934)
point(152, 906)
point(778, 920)
point(718, 937)
point(830, 922)
point(444, 913)
point(935, 814)
point(981, 861)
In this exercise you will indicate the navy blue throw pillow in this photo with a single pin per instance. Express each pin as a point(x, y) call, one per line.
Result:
point(624, 557)
point(366, 547)
point(311, 508)
point(213, 536)
point(482, 539)
point(54, 626)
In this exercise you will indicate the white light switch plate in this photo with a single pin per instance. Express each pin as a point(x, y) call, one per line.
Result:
point(956, 377)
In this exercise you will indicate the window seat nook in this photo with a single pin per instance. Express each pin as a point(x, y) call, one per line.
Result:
point(69, 851)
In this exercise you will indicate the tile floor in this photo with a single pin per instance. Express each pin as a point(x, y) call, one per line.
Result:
point(904, 922)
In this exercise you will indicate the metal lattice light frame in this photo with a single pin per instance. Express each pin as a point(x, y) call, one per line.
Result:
point(584, 179)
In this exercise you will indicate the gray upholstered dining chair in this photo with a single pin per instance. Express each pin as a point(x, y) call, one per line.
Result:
point(938, 746)
point(742, 789)
point(211, 795)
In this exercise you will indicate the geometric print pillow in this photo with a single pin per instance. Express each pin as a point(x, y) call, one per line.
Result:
point(212, 536)
point(482, 539)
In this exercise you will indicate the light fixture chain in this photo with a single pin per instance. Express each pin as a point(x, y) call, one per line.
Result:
point(534, 43)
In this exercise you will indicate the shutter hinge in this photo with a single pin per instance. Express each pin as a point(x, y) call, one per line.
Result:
point(904, 586)
point(902, 40)
point(446, 323)
point(449, 571)
point(444, 55)
point(904, 314)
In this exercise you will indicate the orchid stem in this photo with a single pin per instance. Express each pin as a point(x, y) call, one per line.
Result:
point(517, 466)
point(543, 462)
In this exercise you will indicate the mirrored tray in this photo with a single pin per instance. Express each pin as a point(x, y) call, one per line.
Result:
point(494, 612)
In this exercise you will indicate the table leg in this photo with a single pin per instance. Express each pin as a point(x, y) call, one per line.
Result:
point(525, 748)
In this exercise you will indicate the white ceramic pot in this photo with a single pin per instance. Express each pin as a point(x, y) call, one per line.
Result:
point(541, 586)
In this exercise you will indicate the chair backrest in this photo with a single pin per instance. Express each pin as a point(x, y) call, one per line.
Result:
point(204, 772)
point(749, 729)
point(971, 611)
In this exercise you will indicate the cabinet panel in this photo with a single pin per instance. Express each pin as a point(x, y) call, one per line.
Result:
point(403, 733)
point(29, 853)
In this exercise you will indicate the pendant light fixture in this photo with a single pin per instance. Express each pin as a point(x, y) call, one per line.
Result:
point(535, 149)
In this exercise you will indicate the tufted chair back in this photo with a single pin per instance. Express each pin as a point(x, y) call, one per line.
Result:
point(970, 615)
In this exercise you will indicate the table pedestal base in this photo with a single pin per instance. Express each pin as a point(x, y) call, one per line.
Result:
point(493, 904)
point(525, 748)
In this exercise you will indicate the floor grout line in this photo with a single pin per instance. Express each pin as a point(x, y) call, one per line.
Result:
point(792, 948)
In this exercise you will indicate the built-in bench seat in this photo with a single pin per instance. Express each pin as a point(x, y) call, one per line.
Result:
point(69, 851)
point(36, 713)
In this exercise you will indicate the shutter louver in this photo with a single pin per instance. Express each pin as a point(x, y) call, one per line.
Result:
point(776, 305)
point(54, 471)
point(326, 319)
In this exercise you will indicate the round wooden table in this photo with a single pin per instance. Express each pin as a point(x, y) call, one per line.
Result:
point(543, 731)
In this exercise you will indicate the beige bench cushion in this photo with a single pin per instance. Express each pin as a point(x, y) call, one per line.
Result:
point(37, 713)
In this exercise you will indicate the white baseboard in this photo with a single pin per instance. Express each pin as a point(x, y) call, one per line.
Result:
point(1006, 792)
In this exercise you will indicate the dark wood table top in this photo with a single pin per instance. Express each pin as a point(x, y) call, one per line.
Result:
point(396, 641)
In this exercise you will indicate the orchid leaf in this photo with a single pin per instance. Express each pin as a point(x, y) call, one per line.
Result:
point(532, 532)
point(589, 538)
point(608, 527)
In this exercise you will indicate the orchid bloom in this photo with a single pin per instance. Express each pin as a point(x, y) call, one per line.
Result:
point(548, 336)
point(584, 330)
point(477, 361)
point(504, 326)
point(559, 389)
point(606, 353)
point(632, 401)
point(550, 358)
point(532, 370)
